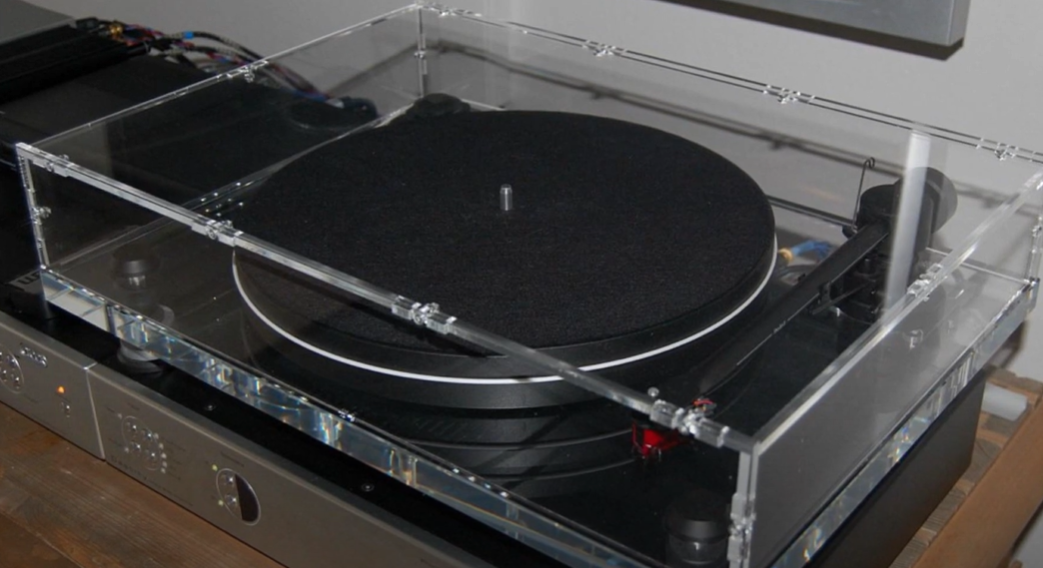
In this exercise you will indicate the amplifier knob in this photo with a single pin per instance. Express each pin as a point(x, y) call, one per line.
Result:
point(238, 497)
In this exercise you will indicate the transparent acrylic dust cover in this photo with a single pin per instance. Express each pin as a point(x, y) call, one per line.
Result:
point(625, 309)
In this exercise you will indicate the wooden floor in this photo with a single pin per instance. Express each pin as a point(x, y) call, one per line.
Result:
point(62, 508)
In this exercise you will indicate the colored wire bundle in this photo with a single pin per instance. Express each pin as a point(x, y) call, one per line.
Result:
point(223, 55)
point(820, 250)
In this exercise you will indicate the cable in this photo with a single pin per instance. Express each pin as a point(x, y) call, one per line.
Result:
point(221, 39)
point(178, 47)
point(820, 248)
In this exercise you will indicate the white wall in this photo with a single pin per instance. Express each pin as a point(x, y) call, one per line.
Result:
point(990, 87)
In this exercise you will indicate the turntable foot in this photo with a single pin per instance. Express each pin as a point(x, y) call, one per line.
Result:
point(697, 531)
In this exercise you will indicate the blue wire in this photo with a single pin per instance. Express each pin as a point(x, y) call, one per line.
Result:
point(820, 248)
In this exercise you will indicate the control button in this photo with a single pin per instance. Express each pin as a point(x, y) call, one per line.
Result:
point(143, 443)
point(238, 496)
point(10, 371)
point(226, 485)
point(65, 408)
point(232, 504)
point(132, 429)
point(32, 355)
point(152, 460)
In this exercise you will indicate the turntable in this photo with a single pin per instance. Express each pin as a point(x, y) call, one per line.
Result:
point(624, 310)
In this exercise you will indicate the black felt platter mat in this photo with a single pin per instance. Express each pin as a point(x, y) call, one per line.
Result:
point(622, 239)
